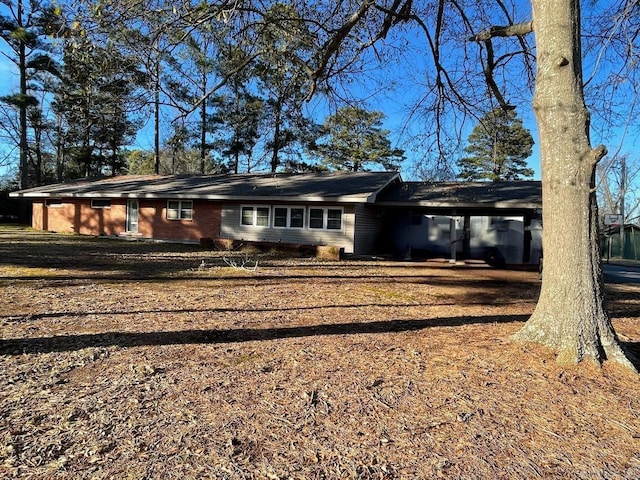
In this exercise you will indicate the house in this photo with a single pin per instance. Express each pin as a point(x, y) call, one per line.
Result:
point(498, 222)
point(614, 239)
point(360, 213)
point(333, 209)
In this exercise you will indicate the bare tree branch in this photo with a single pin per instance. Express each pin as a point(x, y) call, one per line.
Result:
point(485, 37)
point(331, 47)
point(518, 29)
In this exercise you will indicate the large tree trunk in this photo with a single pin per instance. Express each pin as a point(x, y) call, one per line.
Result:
point(275, 161)
point(570, 316)
point(22, 65)
point(156, 125)
point(203, 126)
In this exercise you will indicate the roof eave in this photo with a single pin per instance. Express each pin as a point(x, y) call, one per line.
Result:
point(453, 206)
point(182, 195)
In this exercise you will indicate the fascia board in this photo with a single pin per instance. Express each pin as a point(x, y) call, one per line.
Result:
point(191, 196)
point(493, 205)
point(371, 198)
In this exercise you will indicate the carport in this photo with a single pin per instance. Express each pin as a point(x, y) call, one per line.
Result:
point(498, 222)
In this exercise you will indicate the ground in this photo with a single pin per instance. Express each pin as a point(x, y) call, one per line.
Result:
point(147, 360)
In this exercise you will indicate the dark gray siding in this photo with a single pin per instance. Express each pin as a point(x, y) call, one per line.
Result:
point(367, 229)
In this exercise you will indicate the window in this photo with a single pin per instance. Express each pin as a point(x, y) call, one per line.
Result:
point(53, 202)
point(288, 217)
point(334, 219)
point(100, 203)
point(325, 218)
point(291, 217)
point(316, 218)
point(255, 216)
point(180, 210)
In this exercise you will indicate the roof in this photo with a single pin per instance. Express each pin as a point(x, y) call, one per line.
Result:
point(506, 195)
point(610, 229)
point(353, 187)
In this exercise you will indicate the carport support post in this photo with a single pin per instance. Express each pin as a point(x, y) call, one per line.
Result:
point(452, 238)
point(466, 238)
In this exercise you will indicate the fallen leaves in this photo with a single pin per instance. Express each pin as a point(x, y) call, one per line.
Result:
point(299, 370)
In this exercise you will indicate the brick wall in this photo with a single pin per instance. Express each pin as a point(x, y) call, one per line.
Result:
point(77, 216)
point(153, 222)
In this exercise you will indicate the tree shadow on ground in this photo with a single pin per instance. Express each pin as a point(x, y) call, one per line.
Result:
point(632, 350)
point(94, 258)
point(218, 310)
point(63, 343)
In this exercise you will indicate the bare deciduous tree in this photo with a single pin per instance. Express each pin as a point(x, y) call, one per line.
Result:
point(570, 316)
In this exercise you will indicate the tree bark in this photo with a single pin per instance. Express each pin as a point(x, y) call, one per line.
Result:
point(203, 126)
point(570, 316)
point(156, 125)
point(22, 65)
point(275, 161)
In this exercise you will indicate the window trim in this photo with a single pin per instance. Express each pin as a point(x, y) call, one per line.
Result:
point(95, 203)
point(180, 211)
point(325, 219)
point(254, 216)
point(53, 202)
point(289, 208)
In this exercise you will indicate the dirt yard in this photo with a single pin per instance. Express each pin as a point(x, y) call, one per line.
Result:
point(146, 360)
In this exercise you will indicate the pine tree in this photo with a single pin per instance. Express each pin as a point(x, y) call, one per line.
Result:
point(25, 32)
point(95, 102)
point(284, 38)
point(239, 112)
point(355, 140)
point(498, 149)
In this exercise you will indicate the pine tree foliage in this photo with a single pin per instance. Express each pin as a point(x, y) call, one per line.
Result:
point(239, 112)
point(283, 39)
point(95, 103)
point(26, 30)
point(354, 141)
point(498, 149)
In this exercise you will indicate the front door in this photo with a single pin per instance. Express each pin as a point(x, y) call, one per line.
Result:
point(132, 215)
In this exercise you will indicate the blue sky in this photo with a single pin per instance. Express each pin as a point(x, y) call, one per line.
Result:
point(394, 102)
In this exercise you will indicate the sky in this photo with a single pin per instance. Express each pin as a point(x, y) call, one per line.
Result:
point(395, 102)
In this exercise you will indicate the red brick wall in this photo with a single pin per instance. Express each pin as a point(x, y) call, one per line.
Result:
point(76, 215)
point(153, 222)
point(37, 215)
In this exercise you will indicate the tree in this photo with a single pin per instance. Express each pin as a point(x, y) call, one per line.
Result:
point(355, 140)
point(95, 102)
point(194, 68)
point(239, 112)
point(283, 39)
point(144, 33)
point(498, 149)
point(618, 178)
point(140, 162)
point(570, 316)
point(23, 31)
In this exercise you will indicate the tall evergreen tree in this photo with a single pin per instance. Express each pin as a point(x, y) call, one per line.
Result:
point(239, 111)
point(24, 31)
point(189, 76)
point(95, 102)
point(498, 149)
point(354, 140)
point(283, 39)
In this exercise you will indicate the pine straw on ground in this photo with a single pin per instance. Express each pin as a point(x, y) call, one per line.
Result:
point(145, 360)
